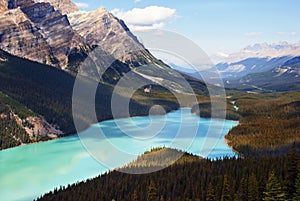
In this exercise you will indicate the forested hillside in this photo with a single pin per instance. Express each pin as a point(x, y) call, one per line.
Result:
point(47, 91)
point(249, 179)
point(11, 133)
point(269, 123)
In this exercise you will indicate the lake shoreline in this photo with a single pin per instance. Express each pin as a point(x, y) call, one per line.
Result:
point(110, 119)
point(40, 167)
point(231, 147)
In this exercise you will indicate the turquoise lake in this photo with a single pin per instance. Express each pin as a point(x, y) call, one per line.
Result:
point(29, 171)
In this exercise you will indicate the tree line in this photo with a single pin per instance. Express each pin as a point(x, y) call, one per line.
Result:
point(231, 179)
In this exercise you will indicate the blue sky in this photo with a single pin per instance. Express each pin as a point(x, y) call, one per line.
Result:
point(215, 25)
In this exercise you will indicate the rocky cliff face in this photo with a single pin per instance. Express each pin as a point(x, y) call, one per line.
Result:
point(63, 6)
point(19, 36)
point(3, 5)
point(101, 28)
point(39, 32)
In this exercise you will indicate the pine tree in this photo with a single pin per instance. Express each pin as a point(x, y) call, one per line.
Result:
point(211, 193)
point(243, 189)
point(296, 196)
point(152, 192)
point(273, 191)
point(225, 190)
point(291, 173)
point(253, 188)
point(135, 197)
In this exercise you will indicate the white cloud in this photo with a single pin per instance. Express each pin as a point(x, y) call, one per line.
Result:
point(253, 33)
point(152, 17)
point(287, 33)
point(81, 5)
point(137, 1)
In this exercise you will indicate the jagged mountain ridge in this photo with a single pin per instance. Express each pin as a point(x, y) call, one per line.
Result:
point(281, 78)
point(256, 58)
point(38, 32)
point(101, 28)
point(259, 50)
point(52, 31)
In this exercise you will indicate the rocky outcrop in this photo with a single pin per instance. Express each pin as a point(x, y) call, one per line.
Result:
point(39, 32)
point(3, 5)
point(40, 127)
point(63, 6)
point(19, 36)
point(56, 29)
point(101, 28)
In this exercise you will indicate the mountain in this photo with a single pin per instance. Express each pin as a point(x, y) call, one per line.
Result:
point(101, 28)
point(42, 46)
point(256, 58)
point(63, 6)
point(56, 32)
point(19, 125)
point(250, 65)
point(259, 50)
point(39, 32)
point(44, 91)
point(281, 78)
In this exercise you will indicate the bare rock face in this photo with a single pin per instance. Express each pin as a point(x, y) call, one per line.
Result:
point(3, 5)
point(56, 29)
point(64, 6)
point(39, 32)
point(56, 33)
point(19, 36)
point(101, 28)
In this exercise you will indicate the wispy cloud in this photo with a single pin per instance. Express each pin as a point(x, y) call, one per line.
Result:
point(287, 33)
point(81, 5)
point(137, 1)
point(152, 17)
point(253, 33)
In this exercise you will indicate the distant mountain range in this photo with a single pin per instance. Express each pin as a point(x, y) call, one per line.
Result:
point(256, 58)
point(259, 50)
point(260, 67)
point(285, 77)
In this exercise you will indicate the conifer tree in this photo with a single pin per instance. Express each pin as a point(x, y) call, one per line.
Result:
point(296, 195)
point(135, 197)
point(225, 190)
point(211, 193)
point(291, 173)
point(273, 191)
point(253, 191)
point(152, 192)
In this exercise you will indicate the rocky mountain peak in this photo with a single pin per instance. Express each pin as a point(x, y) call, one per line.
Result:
point(38, 32)
point(59, 31)
point(64, 6)
point(103, 29)
point(260, 50)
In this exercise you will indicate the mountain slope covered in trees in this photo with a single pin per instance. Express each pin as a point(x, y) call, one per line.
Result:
point(249, 179)
point(47, 91)
point(269, 123)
